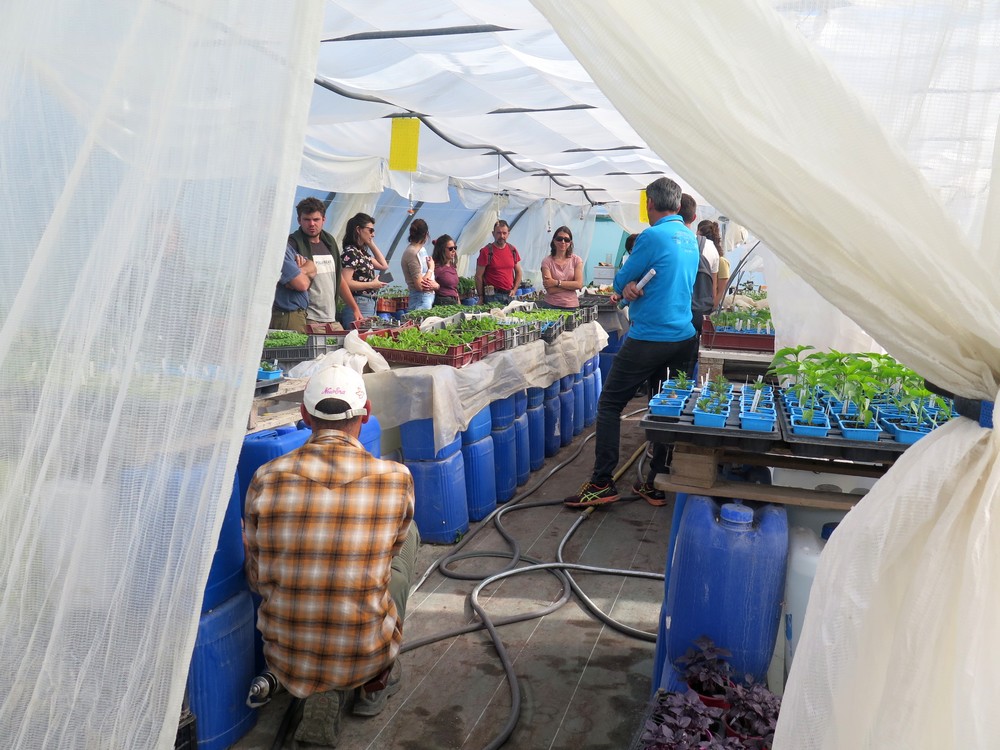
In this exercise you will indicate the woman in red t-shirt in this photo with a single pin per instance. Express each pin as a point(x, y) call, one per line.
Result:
point(562, 272)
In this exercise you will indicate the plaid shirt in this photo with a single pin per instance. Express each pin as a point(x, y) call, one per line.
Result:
point(322, 525)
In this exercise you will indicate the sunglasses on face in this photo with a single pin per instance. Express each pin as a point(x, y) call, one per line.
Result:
point(452, 247)
point(563, 239)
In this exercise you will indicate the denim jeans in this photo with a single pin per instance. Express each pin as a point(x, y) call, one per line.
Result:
point(420, 301)
point(637, 362)
point(504, 298)
point(365, 304)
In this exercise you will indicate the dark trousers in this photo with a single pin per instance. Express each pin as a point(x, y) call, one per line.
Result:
point(637, 362)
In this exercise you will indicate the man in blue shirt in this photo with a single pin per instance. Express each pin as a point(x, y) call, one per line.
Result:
point(291, 293)
point(661, 336)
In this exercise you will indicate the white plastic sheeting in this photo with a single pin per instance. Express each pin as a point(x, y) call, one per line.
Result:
point(149, 153)
point(867, 170)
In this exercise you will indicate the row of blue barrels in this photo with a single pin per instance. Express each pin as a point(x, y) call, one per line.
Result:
point(229, 650)
point(465, 480)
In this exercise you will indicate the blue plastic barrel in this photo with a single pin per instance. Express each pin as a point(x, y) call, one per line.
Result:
point(226, 578)
point(579, 406)
point(726, 581)
point(502, 411)
point(605, 365)
point(222, 666)
point(479, 427)
point(536, 437)
point(417, 438)
point(441, 507)
point(552, 389)
point(567, 410)
point(505, 456)
point(565, 383)
point(552, 409)
point(261, 447)
point(520, 403)
point(598, 384)
point(535, 397)
point(371, 436)
point(480, 477)
point(522, 446)
point(588, 366)
point(615, 340)
point(589, 399)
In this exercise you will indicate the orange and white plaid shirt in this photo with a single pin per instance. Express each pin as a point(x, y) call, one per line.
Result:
point(322, 525)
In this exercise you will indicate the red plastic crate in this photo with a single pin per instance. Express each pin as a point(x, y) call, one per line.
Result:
point(752, 342)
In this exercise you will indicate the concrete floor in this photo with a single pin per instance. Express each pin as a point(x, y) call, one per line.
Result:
point(583, 684)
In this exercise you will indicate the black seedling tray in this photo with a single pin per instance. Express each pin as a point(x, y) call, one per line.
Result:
point(683, 428)
point(834, 445)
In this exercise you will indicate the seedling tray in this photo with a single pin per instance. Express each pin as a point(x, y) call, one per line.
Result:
point(834, 445)
point(682, 428)
point(455, 357)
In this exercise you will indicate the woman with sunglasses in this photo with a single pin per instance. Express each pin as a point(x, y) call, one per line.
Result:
point(445, 272)
point(360, 262)
point(562, 272)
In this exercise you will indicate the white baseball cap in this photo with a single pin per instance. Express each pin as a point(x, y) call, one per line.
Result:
point(340, 382)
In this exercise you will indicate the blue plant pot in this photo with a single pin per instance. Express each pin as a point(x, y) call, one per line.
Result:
point(710, 419)
point(908, 434)
point(268, 374)
point(666, 407)
point(868, 434)
point(757, 421)
point(806, 429)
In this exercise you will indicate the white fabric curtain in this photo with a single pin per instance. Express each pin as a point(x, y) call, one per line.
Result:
point(875, 195)
point(149, 156)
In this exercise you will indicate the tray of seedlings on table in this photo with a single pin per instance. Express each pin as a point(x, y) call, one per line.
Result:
point(855, 406)
point(718, 414)
point(411, 346)
point(742, 330)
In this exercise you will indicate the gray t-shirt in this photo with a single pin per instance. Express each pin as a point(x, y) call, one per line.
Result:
point(323, 292)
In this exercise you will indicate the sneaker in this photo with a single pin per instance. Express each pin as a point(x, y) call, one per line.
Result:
point(592, 494)
point(371, 704)
point(649, 493)
point(321, 719)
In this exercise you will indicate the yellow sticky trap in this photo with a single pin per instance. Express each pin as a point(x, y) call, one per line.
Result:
point(403, 144)
point(643, 213)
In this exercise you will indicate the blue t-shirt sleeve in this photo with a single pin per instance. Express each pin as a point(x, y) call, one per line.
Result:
point(289, 267)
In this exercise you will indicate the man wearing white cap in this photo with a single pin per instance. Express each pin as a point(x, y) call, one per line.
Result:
point(331, 549)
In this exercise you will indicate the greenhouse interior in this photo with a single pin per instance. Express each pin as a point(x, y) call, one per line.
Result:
point(652, 339)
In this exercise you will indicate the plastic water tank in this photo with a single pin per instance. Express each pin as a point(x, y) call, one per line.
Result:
point(727, 582)
point(804, 549)
point(371, 436)
point(579, 405)
point(589, 399)
point(222, 666)
point(552, 389)
point(565, 383)
point(536, 437)
point(567, 412)
point(520, 403)
point(417, 437)
point(598, 384)
point(479, 427)
point(441, 507)
point(226, 578)
point(505, 456)
point(552, 410)
point(480, 478)
point(535, 397)
point(606, 361)
point(522, 447)
point(503, 412)
point(261, 447)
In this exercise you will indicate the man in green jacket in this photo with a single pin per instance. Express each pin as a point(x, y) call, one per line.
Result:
point(319, 246)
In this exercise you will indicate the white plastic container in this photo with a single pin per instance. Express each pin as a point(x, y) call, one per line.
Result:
point(804, 549)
